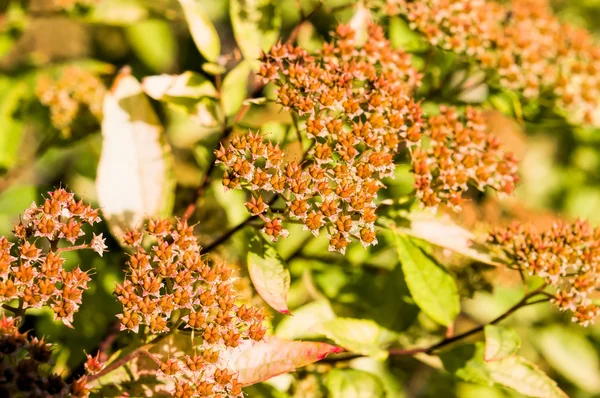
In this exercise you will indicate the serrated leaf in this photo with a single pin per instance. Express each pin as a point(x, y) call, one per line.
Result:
point(256, 362)
point(360, 336)
point(187, 85)
point(235, 88)
point(500, 342)
point(431, 286)
point(352, 383)
point(256, 25)
point(524, 377)
point(270, 277)
point(571, 354)
point(134, 179)
point(154, 43)
point(443, 232)
point(515, 372)
point(202, 29)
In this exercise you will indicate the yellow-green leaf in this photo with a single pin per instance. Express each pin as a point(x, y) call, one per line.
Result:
point(500, 342)
point(235, 88)
point(352, 383)
point(518, 374)
point(360, 336)
point(431, 286)
point(569, 352)
point(256, 25)
point(154, 43)
point(269, 274)
point(202, 29)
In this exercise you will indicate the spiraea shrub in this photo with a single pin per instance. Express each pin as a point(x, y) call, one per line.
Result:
point(299, 198)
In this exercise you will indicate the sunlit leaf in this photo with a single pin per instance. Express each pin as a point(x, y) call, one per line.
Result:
point(571, 354)
point(304, 319)
point(188, 85)
point(134, 173)
point(431, 286)
point(256, 25)
point(524, 377)
point(351, 383)
point(443, 232)
point(358, 335)
point(500, 342)
point(235, 88)
point(268, 273)
point(514, 372)
point(202, 30)
point(256, 362)
point(117, 12)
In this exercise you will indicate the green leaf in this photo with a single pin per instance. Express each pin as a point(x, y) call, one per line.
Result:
point(515, 372)
point(466, 362)
point(235, 88)
point(358, 335)
point(304, 319)
point(202, 30)
point(524, 377)
point(268, 273)
point(443, 232)
point(154, 43)
point(431, 286)
point(188, 85)
point(256, 25)
point(135, 178)
point(500, 342)
point(571, 354)
point(13, 201)
point(11, 93)
point(351, 383)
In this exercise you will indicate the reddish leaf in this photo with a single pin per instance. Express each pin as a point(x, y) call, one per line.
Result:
point(256, 362)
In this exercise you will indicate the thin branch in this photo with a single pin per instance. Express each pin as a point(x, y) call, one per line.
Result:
point(524, 302)
point(127, 358)
point(83, 246)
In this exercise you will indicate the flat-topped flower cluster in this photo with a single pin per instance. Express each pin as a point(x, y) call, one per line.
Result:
point(31, 272)
point(356, 105)
point(522, 43)
point(567, 257)
point(172, 286)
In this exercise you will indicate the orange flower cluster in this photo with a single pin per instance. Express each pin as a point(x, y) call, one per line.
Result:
point(70, 96)
point(24, 366)
point(522, 41)
point(568, 258)
point(171, 278)
point(33, 273)
point(460, 151)
point(357, 106)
